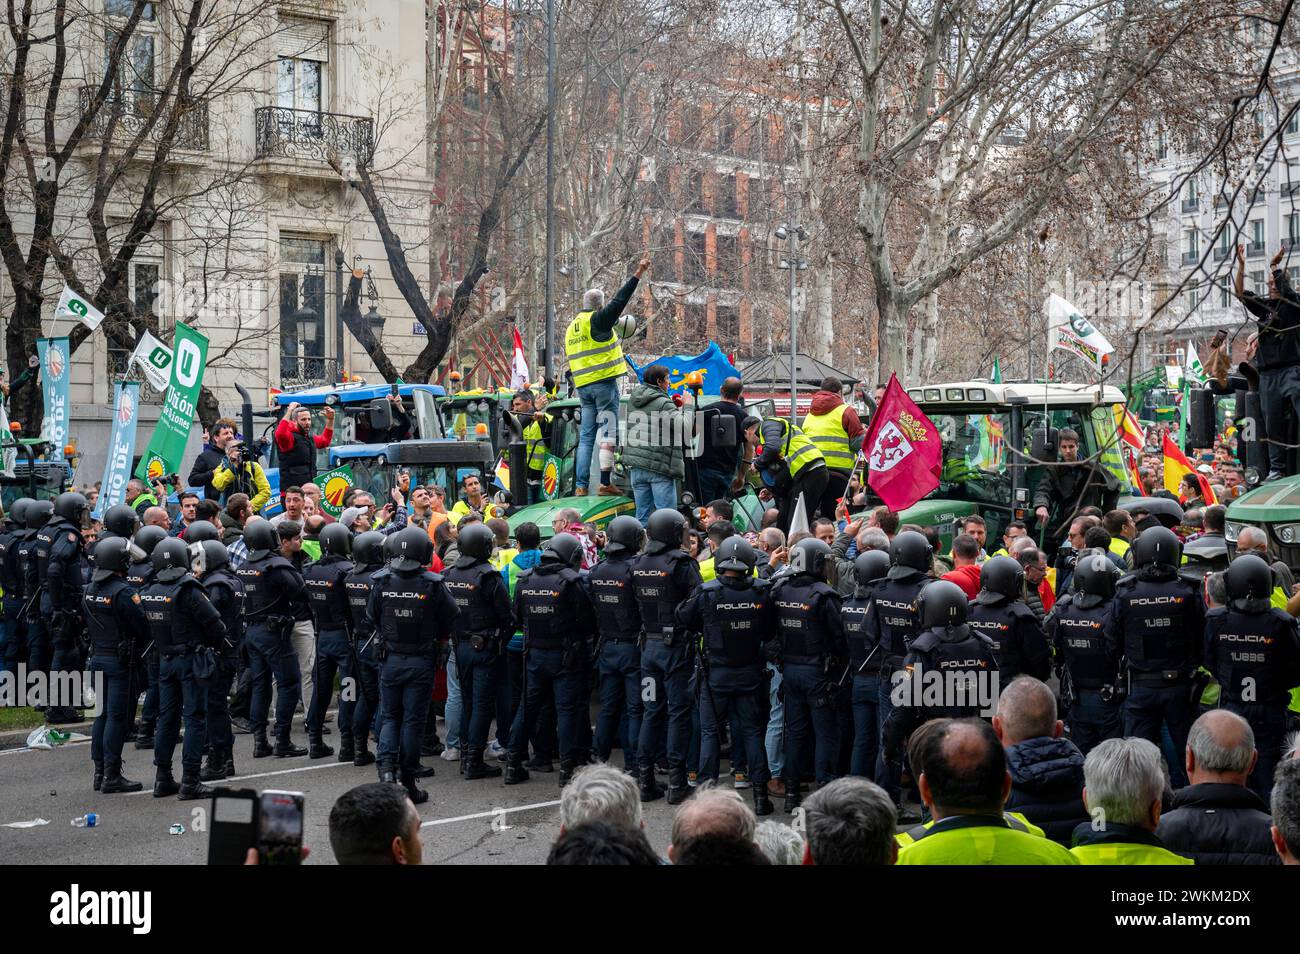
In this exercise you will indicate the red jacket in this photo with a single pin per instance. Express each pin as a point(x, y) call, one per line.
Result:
point(967, 577)
point(823, 402)
point(284, 435)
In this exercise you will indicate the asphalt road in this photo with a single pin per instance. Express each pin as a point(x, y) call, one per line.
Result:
point(482, 822)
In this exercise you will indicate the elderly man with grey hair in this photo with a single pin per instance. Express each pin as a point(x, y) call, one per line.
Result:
point(600, 793)
point(865, 538)
point(714, 813)
point(850, 822)
point(1251, 539)
point(1286, 811)
point(1217, 819)
point(595, 354)
point(1123, 790)
point(779, 843)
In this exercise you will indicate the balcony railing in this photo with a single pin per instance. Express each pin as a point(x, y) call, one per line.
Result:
point(305, 372)
point(1191, 205)
point(1220, 253)
point(1191, 258)
point(306, 134)
point(1255, 249)
point(130, 111)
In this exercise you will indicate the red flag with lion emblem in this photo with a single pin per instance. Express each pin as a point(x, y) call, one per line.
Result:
point(904, 452)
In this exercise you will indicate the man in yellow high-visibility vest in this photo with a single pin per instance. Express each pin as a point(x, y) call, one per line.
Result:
point(836, 430)
point(595, 353)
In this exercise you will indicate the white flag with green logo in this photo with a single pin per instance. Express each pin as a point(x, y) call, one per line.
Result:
point(155, 360)
point(1195, 370)
point(72, 305)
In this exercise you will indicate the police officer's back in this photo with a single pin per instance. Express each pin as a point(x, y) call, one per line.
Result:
point(1000, 613)
point(618, 653)
point(367, 560)
point(60, 571)
point(211, 563)
point(327, 596)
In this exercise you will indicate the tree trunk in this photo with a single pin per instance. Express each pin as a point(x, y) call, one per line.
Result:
point(26, 405)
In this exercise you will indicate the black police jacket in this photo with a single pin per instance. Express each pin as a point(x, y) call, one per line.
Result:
point(25, 566)
point(58, 565)
point(1157, 619)
point(892, 622)
point(140, 574)
point(10, 578)
point(272, 587)
point(181, 616)
point(808, 622)
point(1078, 635)
point(1017, 638)
point(1047, 785)
point(1219, 824)
point(864, 657)
point(661, 581)
point(1253, 653)
point(958, 656)
point(410, 610)
point(618, 614)
point(737, 618)
point(552, 607)
point(357, 584)
point(113, 615)
point(227, 596)
point(327, 594)
point(484, 601)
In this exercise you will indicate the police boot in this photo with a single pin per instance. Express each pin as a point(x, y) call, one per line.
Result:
point(115, 782)
point(363, 755)
point(566, 771)
point(192, 788)
point(388, 776)
point(793, 797)
point(261, 747)
point(476, 768)
point(416, 794)
point(214, 768)
point(515, 771)
point(346, 750)
point(144, 738)
point(317, 749)
point(163, 783)
point(678, 790)
point(424, 771)
point(228, 762)
point(285, 749)
point(99, 775)
point(650, 788)
point(762, 804)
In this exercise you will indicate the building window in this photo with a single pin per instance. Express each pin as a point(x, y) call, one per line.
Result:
point(663, 254)
point(1192, 243)
point(1192, 299)
point(1256, 236)
point(1223, 293)
point(301, 74)
point(727, 257)
point(1259, 282)
point(727, 322)
point(726, 127)
point(1162, 145)
point(1293, 122)
point(693, 199)
point(724, 197)
point(303, 309)
point(696, 321)
point(135, 68)
point(696, 272)
point(1293, 229)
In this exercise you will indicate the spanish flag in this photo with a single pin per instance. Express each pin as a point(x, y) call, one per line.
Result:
point(1130, 429)
point(1177, 466)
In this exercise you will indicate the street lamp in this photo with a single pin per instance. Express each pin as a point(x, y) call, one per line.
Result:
point(792, 233)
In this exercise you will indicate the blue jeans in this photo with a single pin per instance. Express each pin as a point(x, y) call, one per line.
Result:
point(619, 666)
point(733, 691)
point(478, 674)
point(652, 492)
point(668, 707)
point(544, 672)
point(1093, 720)
point(333, 656)
point(775, 741)
point(714, 484)
point(180, 695)
point(405, 691)
point(271, 656)
point(866, 728)
point(453, 711)
point(810, 709)
point(109, 730)
point(599, 401)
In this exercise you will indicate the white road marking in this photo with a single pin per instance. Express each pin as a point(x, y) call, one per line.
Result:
point(148, 789)
point(493, 813)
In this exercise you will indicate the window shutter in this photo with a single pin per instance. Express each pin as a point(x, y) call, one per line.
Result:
point(304, 39)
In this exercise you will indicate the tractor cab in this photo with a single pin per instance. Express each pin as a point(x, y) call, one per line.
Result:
point(35, 475)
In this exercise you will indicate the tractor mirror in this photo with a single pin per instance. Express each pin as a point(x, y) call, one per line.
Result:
point(381, 414)
point(1043, 446)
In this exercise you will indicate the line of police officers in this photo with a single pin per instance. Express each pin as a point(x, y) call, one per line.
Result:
point(169, 615)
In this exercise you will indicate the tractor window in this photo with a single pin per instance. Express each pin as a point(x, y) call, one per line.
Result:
point(974, 445)
point(471, 420)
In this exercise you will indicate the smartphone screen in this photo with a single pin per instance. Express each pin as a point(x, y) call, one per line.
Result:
point(234, 826)
point(280, 824)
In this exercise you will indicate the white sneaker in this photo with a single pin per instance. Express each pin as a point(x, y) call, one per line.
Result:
point(495, 751)
point(451, 755)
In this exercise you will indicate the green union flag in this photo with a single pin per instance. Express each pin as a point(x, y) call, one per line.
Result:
point(167, 445)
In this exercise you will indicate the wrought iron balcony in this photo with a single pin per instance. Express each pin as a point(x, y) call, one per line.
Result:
point(1255, 249)
point(1220, 253)
point(130, 111)
point(1191, 205)
point(1191, 258)
point(307, 134)
point(303, 372)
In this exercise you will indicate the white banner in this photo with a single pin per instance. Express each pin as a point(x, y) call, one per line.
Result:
point(10, 454)
point(72, 305)
point(1195, 370)
point(155, 359)
point(1068, 329)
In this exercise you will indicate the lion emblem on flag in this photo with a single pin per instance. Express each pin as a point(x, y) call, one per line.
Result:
point(895, 441)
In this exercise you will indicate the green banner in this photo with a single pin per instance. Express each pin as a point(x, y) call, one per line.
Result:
point(173, 431)
point(333, 485)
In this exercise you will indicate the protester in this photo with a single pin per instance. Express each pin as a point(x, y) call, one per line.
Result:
point(659, 430)
point(297, 445)
point(721, 465)
point(598, 842)
point(834, 427)
point(966, 566)
point(1285, 804)
point(375, 824)
point(850, 822)
point(235, 475)
point(210, 458)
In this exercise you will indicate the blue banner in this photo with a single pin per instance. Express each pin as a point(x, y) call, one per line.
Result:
point(121, 448)
point(54, 356)
point(712, 364)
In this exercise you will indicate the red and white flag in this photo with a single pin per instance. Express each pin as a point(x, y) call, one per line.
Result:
point(903, 448)
point(519, 364)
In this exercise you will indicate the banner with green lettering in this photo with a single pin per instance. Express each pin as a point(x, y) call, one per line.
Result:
point(190, 351)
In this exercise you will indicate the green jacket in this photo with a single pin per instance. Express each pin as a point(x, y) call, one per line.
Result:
point(656, 432)
point(982, 840)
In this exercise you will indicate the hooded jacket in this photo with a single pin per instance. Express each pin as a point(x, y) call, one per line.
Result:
point(823, 402)
point(1215, 823)
point(656, 430)
point(1047, 785)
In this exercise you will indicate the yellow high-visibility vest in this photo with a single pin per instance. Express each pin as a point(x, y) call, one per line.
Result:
point(828, 433)
point(591, 360)
point(798, 450)
point(535, 445)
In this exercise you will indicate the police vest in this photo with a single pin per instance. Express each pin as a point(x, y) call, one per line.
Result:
point(227, 596)
point(404, 599)
point(854, 613)
point(25, 563)
point(1162, 626)
point(964, 659)
point(1079, 635)
point(803, 637)
point(261, 596)
point(173, 630)
point(1004, 627)
point(737, 622)
point(357, 586)
point(828, 433)
point(658, 592)
point(541, 597)
point(591, 360)
point(894, 617)
point(101, 616)
point(59, 541)
point(140, 574)
point(9, 563)
point(474, 590)
point(618, 617)
point(326, 593)
point(797, 450)
point(1253, 656)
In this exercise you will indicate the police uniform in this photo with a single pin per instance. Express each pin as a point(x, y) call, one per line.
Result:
point(865, 666)
point(273, 593)
point(482, 629)
point(618, 657)
point(1017, 638)
point(226, 594)
point(1087, 663)
point(327, 594)
point(36, 635)
point(891, 626)
point(60, 575)
point(11, 582)
point(357, 584)
point(139, 574)
point(116, 625)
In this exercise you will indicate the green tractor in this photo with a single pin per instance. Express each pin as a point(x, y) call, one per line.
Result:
point(34, 474)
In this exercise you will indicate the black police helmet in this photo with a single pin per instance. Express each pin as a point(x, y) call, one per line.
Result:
point(199, 531)
point(910, 553)
point(809, 556)
point(735, 553)
point(336, 539)
point(146, 538)
point(1094, 575)
point(871, 565)
point(564, 548)
point(260, 537)
point(1249, 578)
point(1157, 545)
point(942, 603)
point(368, 548)
point(208, 555)
point(664, 529)
point(39, 513)
point(71, 506)
point(18, 511)
point(171, 559)
point(409, 549)
point(122, 520)
point(624, 536)
point(112, 556)
point(475, 543)
point(1001, 578)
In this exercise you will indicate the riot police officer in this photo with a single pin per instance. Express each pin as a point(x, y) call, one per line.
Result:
point(864, 662)
point(946, 649)
point(327, 593)
point(58, 573)
point(1158, 622)
point(813, 656)
point(121, 520)
point(199, 531)
point(1087, 663)
point(736, 617)
point(139, 574)
point(618, 653)
point(1253, 650)
point(274, 593)
point(11, 581)
point(34, 628)
point(413, 613)
point(115, 622)
point(999, 612)
point(184, 626)
point(484, 626)
point(554, 611)
point(367, 560)
point(210, 561)
point(662, 577)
